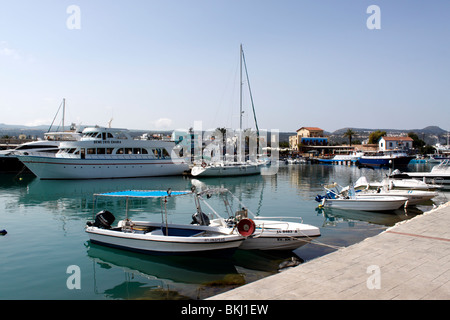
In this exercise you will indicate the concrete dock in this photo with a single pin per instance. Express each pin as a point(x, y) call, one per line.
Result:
point(410, 260)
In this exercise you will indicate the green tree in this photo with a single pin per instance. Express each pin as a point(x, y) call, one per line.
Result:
point(350, 134)
point(375, 136)
point(417, 143)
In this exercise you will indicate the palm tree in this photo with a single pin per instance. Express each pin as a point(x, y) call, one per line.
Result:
point(350, 134)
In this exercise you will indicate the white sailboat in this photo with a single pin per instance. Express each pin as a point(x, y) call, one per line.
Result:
point(241, 167)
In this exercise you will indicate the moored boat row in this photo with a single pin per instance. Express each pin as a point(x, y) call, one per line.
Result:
point(208, 233)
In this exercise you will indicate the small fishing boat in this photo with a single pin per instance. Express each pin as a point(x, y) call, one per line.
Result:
point(351, 201)
point(163, 238)
point(270, 233)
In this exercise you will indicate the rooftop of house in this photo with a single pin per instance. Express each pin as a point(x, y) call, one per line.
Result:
point(397, 138)
point(310, 129)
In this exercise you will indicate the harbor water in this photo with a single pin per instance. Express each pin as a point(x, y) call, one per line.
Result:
point(46, 253)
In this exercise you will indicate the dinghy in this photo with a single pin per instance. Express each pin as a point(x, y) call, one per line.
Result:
point(163, 237)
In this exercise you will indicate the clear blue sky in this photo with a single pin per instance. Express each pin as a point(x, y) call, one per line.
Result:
point(165, 64)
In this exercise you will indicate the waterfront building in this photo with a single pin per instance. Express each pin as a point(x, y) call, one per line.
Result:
point(308, 137)
point(395, 143)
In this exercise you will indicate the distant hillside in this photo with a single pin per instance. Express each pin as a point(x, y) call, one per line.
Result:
point(431, 134)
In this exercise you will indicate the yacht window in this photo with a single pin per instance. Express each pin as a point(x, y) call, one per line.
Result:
point(119, 151)
point(101, 150)
point(144, 151)
point(110, 135)
point(91, 151)
point(137, 151)
point(36, 146)
point(109, 150)
point(128, 150)
point(165, 153)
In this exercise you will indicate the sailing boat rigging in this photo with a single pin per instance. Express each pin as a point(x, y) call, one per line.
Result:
point(241, 167)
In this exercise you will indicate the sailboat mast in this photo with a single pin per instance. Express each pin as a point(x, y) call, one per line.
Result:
point(240, 90)
point(64, 112)
point(251, 96)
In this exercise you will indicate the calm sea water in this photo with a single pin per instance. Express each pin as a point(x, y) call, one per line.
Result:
point(45, 222)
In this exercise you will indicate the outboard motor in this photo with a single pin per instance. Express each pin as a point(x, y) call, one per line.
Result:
point(104, 219)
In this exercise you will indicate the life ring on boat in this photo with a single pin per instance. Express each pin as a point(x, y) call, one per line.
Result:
point(246, 227)
point(203, 164)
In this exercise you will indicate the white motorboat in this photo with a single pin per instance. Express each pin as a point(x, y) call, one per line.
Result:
point(103, 153)
point(396, 181)
point(366, 203)
point(163, 238)
point(439, 175)
point(9, 161)
point(271, 233)
point(414, 196)
point(351, 201)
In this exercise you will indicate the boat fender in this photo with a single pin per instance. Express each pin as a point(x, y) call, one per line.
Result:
point(246, 227)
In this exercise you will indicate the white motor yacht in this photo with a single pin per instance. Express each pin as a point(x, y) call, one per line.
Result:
point(103, 153)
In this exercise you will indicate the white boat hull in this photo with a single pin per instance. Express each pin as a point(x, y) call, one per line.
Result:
point(155, 242)
point(367, 203)
point(279, 235)
point(414, 196)
point(69, 168)
point(226, 170)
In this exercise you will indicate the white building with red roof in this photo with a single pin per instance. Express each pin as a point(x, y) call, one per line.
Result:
point(395, 143)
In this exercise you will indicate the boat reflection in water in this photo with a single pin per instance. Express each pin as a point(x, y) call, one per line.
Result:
point(177, 277)
point(332, 215)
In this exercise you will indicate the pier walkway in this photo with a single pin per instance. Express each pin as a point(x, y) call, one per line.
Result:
point(410, 260)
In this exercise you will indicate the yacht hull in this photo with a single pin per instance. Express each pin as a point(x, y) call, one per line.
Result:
point(362, 203)
point(226, 170)
point(54, 168)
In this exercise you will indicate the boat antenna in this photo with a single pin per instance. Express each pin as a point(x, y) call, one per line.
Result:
point(63, 104)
